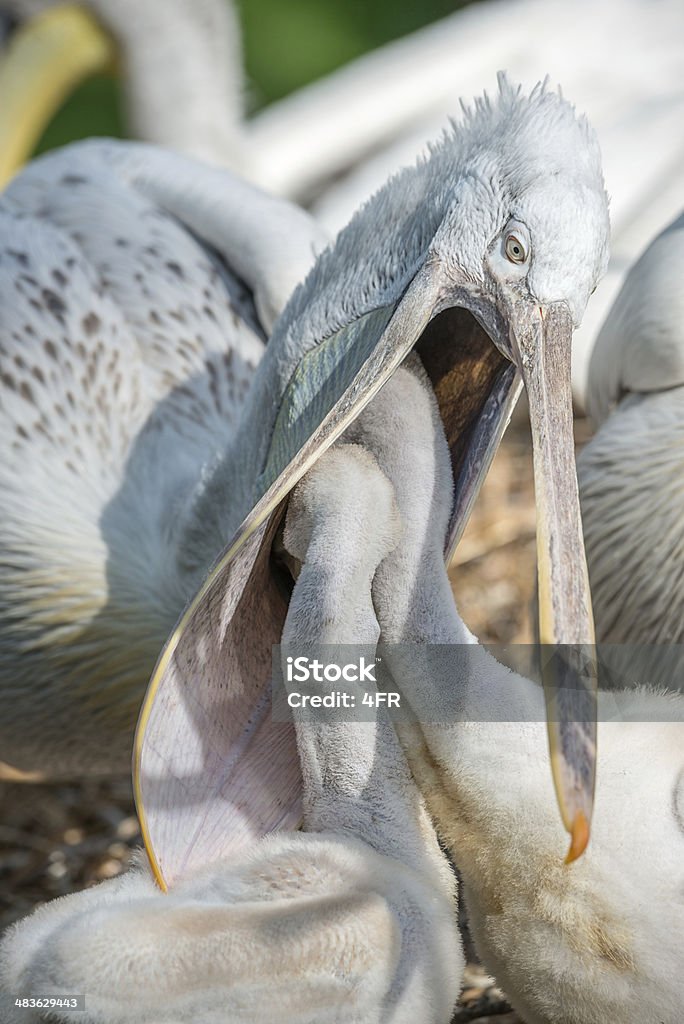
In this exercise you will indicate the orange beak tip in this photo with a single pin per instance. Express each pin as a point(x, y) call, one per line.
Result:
point(579, 837)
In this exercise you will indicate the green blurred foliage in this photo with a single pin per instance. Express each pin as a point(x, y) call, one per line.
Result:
point(291, 42)
point(287, 43)
point(93, 109)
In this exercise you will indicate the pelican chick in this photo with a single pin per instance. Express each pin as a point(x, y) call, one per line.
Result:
point(349, 922)
point(598, 940)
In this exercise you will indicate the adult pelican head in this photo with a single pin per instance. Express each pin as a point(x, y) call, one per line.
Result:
point(483, 257)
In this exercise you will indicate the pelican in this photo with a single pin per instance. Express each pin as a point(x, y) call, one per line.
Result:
point(594, 942)
point(134, 462)
point(631, 471)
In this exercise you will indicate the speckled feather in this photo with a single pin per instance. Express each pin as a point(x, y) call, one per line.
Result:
point(127, 348)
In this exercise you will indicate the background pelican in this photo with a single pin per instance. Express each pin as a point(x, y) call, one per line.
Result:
point(631, 472)
point(127, 351)
point(180, 62)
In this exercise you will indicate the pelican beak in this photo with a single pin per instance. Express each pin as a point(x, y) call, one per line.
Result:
point(213, 769)
point(44, 60)
point(476, 385)
point(541, 345)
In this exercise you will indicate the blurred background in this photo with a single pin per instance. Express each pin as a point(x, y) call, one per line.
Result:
point(621, 58)
point(320, 100)
point(287, 44)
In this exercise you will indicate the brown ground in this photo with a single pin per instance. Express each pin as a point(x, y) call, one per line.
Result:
point(58, 839)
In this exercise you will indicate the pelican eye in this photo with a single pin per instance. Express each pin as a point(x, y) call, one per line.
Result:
point(515, 250)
